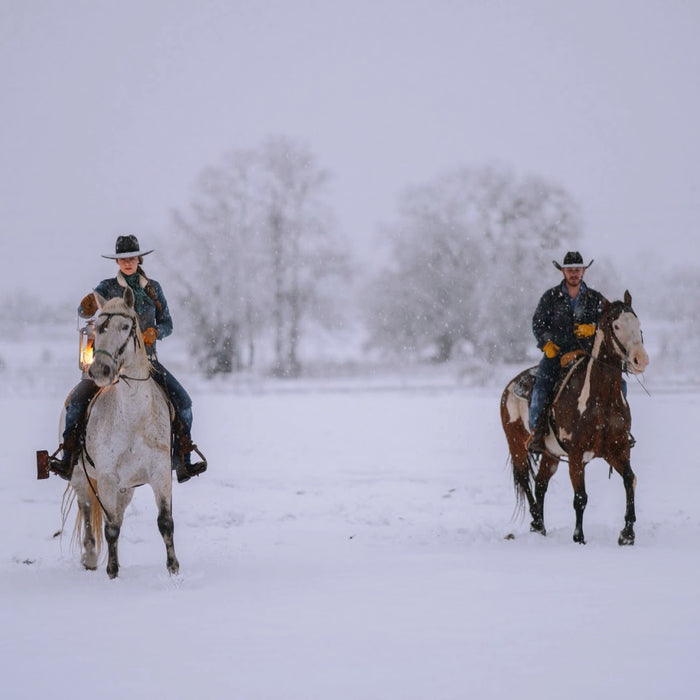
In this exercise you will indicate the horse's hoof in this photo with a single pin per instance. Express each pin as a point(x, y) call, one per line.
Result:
point(538, 527)
point(579, 539)
point(624, 539)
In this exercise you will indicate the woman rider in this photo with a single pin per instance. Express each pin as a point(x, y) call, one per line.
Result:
point(155, 322)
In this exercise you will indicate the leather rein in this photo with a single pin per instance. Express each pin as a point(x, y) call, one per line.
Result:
point(114, 358)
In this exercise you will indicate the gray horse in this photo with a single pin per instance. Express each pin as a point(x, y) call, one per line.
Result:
point(127, 439)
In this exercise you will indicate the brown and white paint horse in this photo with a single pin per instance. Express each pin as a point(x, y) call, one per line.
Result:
point(589, 418)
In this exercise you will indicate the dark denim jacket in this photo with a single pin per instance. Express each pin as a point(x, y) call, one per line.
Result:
point(554, 317)
point(150, 316)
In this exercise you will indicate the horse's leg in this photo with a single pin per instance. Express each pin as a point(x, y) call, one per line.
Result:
point(513, 421)
point(623, 467)
point(578, 481)
point(521, 481)
point(112, 536)
point(547, 469)
point(115, 502)
point(88, 557)
point(166, 525)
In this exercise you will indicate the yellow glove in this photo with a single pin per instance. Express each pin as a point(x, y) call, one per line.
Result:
point(550, 349)
point(150, 335)
point(584, 330)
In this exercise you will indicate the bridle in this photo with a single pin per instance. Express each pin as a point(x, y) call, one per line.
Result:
point(623, 350)
point(115, 358)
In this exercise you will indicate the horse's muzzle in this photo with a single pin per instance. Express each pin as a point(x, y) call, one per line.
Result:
point(637, 360)
point(102, 373)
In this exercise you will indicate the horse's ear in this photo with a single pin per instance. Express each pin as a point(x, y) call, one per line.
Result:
point(628, 298)
point(129, 298)
point(101, 301)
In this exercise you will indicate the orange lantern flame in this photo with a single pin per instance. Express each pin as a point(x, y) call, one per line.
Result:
point(87, 342)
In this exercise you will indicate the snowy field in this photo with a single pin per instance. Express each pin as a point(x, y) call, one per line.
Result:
point(349, 542)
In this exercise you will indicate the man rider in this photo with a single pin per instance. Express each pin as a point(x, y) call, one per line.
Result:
point(565, 319)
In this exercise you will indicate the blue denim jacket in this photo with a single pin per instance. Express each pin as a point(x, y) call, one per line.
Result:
point(150, 317)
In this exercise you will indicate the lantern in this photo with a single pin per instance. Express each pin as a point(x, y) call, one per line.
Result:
point(87, 341)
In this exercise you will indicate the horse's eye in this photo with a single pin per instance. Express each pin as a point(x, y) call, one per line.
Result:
point(616, 326)
point(125, 327)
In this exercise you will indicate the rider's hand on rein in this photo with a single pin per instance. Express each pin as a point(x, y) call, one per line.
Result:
point(584, 330)
point(550, 349)
point(150, 335)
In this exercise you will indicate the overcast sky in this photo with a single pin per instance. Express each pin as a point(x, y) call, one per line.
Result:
point(111, 109)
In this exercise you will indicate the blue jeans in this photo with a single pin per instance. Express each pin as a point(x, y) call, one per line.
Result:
point(81, 395)
point(176, 393)
point(547, 374)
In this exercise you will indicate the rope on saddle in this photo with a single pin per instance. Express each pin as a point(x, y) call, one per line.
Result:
point(568, 357)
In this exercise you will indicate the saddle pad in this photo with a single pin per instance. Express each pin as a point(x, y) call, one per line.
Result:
point(523, 387)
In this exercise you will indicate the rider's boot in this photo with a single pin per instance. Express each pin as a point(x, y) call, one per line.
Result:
point(63, 466)
point(182, 455)
point(535, 442)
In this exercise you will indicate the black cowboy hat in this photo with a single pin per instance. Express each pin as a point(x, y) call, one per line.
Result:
point(572, 259)
point(127, 247)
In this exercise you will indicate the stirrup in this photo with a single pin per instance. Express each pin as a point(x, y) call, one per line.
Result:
point(45, 464)
point(535, 443)
point(185, 472)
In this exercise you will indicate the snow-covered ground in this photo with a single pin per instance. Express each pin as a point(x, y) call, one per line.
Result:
point(349, 542)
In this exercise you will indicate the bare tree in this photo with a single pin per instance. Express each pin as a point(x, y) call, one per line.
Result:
point(258, 243)
point(219, 256)
point(302, 250)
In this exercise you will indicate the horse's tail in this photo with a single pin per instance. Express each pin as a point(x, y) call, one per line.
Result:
point(523, 474)
point(69, 497)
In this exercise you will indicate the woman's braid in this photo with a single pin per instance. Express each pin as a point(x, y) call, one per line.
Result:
point(149, 288)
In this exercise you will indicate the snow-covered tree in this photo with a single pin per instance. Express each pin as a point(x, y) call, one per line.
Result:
point(468, 253)
point(301, 249)
point(256, 246)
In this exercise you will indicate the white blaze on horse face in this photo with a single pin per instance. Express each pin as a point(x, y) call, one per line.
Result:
point(628, 331)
